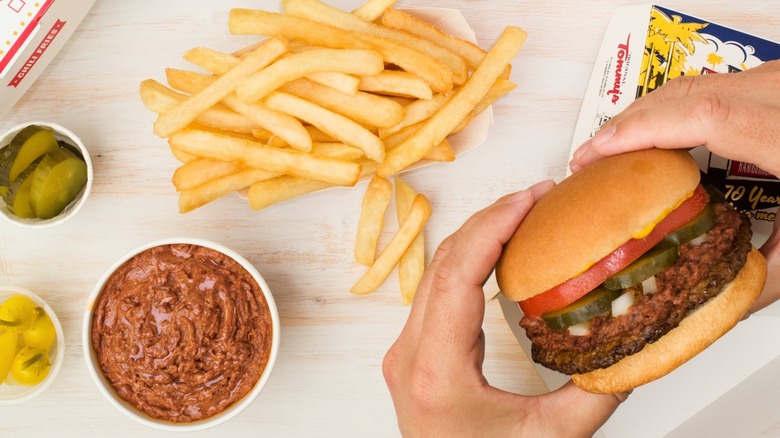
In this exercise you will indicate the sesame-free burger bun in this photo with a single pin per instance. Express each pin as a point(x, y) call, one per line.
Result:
point(590, 214)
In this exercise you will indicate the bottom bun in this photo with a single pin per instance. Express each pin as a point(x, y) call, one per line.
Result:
point(695, 333)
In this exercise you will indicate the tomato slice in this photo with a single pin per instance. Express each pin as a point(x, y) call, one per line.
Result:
point(574, 288)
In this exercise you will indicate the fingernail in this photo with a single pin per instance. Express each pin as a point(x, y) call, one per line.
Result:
point(603, 135)
point(542, 187)
point(581, 150)
point(516, 197)
point(585, 155)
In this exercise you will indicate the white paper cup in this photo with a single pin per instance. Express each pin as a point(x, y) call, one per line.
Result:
point(11, 393)
point(105, 386)
point(60, 133)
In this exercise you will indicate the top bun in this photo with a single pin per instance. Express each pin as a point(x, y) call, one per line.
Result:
point(590, 214)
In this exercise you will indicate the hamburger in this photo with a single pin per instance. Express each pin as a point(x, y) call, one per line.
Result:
point(628, 268)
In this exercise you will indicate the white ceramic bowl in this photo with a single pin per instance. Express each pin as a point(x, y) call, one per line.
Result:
point(60, 133)
point(13, 393)
point(105, 386)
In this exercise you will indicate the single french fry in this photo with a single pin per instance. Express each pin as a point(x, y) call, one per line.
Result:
point(412, 264)
point(211, 60)
point(395, 19)
point(263, 134)
point(288, 161)
point(216, 188)
point(199, 171)
point(396, 83)
point(369, 167)
point(352, 61)
point(428, 68)
point(401, 100)
point(265, 193)
point(335, 125)
point(463, 123)
point(339, 151)
point(496, 91)
point(415, 112)
point(183, 157)
point(289, 128)
point(459, 106)
point(318, 136)
point(373, 9)
point(324, 13)
point(392, 253)
point(364, 108)
point(159, 98)
point(186, 111)
point(442, 152)
point(372, 218)
point(396, 138)
point(338, 81)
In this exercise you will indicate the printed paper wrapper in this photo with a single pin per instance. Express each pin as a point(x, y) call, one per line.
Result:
point(32, 32)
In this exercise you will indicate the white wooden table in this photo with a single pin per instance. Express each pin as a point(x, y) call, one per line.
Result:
point(328, 380)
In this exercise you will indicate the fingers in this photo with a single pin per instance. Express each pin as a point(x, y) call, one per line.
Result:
point(592, 410)
point(754, 85)
point(699, 102)
point(455, 306)
point(717, 122)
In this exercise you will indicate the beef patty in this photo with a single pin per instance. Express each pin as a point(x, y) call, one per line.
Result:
point(700, 273)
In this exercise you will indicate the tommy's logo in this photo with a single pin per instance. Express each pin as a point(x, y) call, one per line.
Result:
point(622, 56)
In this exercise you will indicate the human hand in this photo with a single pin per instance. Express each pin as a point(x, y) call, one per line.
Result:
point(434, 369)
point(736, 116)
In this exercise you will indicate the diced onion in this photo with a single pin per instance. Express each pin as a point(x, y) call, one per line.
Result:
point(580, 329)
point(699, 240)
point(649, 285)
point(622, 303)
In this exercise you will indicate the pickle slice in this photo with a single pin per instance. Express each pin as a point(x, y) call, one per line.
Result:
point(693, 229)
point(589, 306)
point(57, 180)
point(716, 196)
point(652, 262)
point(27, 146)
point(17, 197)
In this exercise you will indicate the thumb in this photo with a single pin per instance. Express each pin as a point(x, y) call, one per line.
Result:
point(578, 413)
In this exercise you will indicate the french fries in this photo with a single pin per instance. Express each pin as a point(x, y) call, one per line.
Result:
point(188, 110)
point(459, 106)
point(403, 21)
point(364, 108)
point(396, 83)
point(318, 11)
point(351, 61)
point(392, 253)
point(431, 70)
point(327, 98)
point(333, 124)
point(372, 217)
point(411, 266)
point(159, 98)
point(285, 161)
